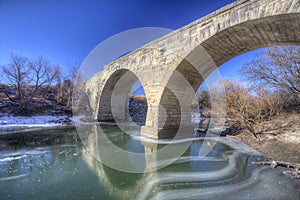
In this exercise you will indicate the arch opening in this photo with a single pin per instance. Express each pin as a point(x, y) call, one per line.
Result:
point(137, 104)
point(119, 102)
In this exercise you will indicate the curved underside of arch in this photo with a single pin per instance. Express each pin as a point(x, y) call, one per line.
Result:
point(254, 34)
point(275, 30)
point(114, 96)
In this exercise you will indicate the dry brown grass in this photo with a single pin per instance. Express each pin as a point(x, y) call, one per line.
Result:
point(280, 139)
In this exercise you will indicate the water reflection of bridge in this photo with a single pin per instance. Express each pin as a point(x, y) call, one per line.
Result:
point(226, 171)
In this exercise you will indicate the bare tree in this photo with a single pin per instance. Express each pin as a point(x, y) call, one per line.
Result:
point(66, 84)
point(73, 72)
point(269, 103)
point(276, 68)
point(27, 77)
point(240, 107)
point(203, 99)
point(59, 78)
point(247, 109)
point(43, 74)
point(17, 74)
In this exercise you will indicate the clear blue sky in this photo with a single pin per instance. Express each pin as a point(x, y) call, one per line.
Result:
point(65, 31)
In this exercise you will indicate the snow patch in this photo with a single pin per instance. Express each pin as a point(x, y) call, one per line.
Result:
point(31, 121)
point(10, 124)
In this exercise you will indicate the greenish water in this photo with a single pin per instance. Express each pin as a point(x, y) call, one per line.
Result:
point(72, 171)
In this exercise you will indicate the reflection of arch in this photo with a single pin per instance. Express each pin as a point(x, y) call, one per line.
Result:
point(114, 96)
point(120, 185)
point(225, 171)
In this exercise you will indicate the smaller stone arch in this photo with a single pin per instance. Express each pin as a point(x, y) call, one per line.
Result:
point(113, 98)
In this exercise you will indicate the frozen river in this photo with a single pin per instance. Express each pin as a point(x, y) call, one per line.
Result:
point(70, 170)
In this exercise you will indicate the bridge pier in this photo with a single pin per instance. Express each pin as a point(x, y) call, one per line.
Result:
point(169, 111)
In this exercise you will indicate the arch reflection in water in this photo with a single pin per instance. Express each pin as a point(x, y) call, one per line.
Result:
point(225, 172)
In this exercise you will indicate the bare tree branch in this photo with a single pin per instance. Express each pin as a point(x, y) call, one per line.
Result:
point(277, 68)
point(27, 77)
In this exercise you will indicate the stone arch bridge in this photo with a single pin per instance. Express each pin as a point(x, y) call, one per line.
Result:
point(172, 68)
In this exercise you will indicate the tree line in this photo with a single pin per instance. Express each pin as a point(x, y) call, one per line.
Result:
point(27, 82)
point(273, 89)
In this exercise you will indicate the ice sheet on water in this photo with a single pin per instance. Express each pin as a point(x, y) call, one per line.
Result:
point(13, 177)
point(8, 159)
point(260, 185)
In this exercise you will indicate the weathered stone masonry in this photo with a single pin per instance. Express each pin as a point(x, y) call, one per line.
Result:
point(171, 68)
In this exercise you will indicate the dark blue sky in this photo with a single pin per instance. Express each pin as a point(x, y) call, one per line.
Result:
point(65, 31)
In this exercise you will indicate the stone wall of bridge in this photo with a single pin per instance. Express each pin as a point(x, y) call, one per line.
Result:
point(172, 68)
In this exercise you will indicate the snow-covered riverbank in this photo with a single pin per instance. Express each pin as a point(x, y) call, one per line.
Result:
point(14, 123)
point(33, 120)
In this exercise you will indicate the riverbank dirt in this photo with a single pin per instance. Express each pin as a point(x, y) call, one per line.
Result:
point(279, 141)
point(274, 148)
